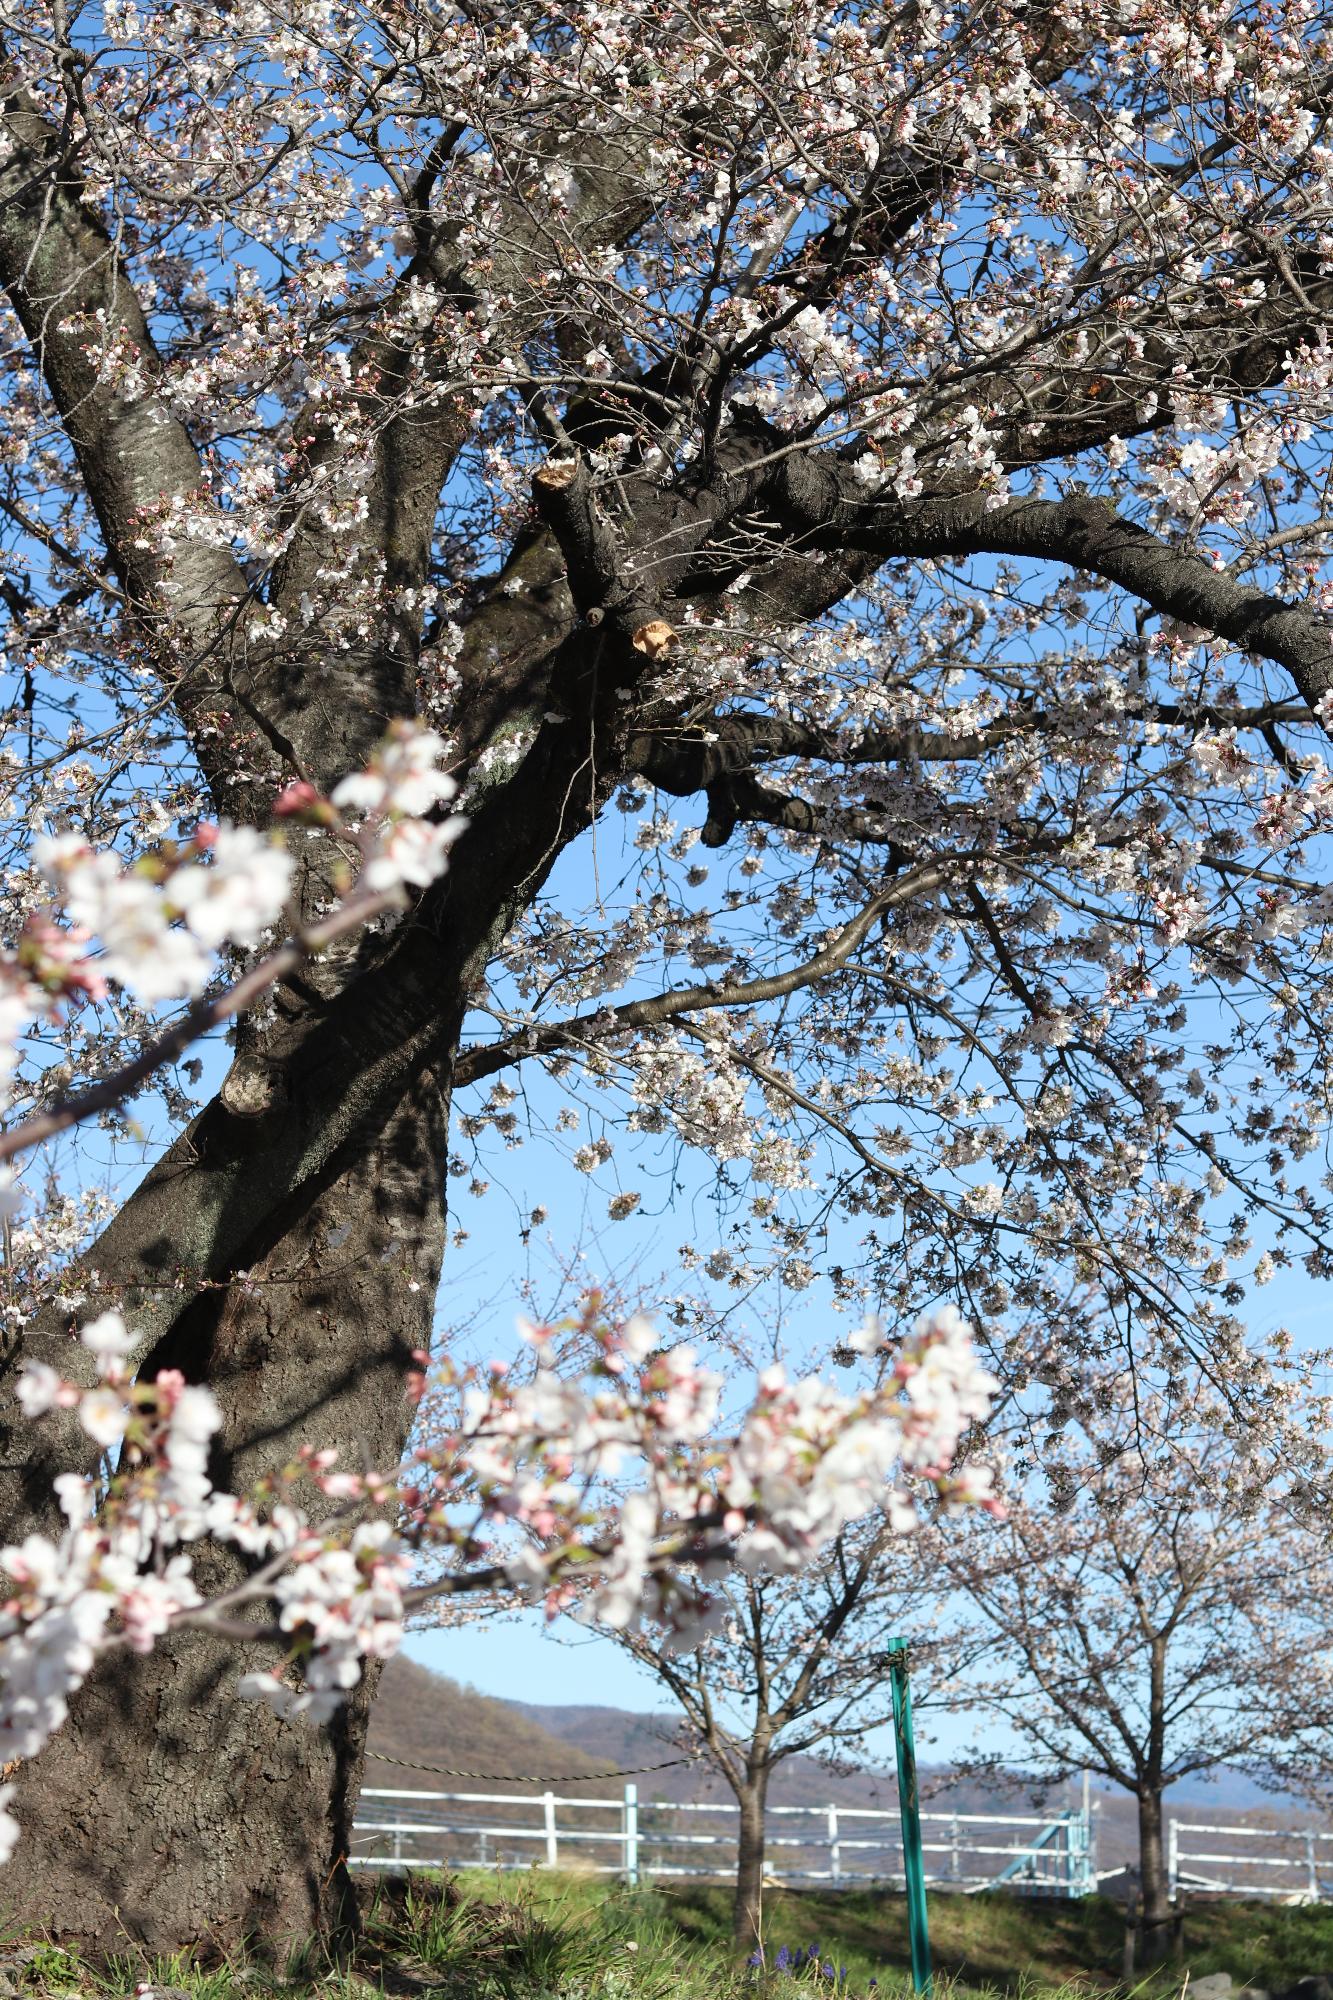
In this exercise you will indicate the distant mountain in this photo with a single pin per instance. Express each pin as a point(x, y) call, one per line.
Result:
point(633, 1741)
point(629, 1738)
point(423, 1719)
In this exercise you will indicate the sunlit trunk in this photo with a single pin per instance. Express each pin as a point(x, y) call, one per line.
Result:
point(747, 1910)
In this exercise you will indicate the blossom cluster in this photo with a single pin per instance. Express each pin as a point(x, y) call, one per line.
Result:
point(544, 1483)
point(806, 1460)
point(387, 806)
point(153, 926)
point(161, 919)
point(121, 1573)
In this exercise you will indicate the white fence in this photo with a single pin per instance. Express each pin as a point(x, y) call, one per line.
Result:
point(843, 1846)
point(1294, 1864)
point(840, 1846)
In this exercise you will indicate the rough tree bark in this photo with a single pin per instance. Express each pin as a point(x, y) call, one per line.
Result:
point(202, 1801)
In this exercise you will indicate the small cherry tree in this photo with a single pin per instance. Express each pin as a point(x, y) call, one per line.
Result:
point(1159, 1597)
point(794, 1661)
point(795, 1665)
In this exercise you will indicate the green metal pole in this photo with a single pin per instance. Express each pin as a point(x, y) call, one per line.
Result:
point(909, 1806)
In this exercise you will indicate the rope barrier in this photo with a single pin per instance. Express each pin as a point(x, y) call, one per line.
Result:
point(509, 1778)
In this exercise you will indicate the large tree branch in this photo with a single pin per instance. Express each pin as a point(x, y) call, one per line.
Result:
point(1083, 531)
point(64, 278)
point(1088, 534)
point(699, 756)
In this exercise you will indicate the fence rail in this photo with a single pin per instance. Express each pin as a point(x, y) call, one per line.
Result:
point(842, 1846)
point(1294, 1863)
point(835, 1845)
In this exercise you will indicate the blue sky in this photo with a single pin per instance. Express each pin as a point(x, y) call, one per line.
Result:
point(518, 1658)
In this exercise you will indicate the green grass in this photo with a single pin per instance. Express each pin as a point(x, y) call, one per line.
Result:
point(988, 1944)
point(563, 1937)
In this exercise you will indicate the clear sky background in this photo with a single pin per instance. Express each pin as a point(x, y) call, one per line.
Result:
point(520, 1658)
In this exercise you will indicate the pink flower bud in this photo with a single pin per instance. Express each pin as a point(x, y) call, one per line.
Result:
point(298, 797)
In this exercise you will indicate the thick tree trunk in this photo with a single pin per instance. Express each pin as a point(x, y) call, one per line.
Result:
point(286, 1251)
point(748, 1907)
point(168, 1811)
point(1153, 1877)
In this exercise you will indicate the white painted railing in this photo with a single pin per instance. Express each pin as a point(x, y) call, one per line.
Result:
point(1295, 1863)
point(844, 1846)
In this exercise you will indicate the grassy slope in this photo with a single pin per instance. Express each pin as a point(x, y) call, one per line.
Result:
point(998, 1943)
point(544, 1937)
point(1005, 1942)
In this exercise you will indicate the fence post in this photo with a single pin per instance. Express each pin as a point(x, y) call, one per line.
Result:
point(1313, 1869)
point(954, 1859)
point(397, 1843)
point(1080, 1868)
point(1129, 1954)
point(1173, 1859)
point(552, 1845)
point(835, 1859)
point(632, 1835)
point(1083, 1875)
point(909, 1809)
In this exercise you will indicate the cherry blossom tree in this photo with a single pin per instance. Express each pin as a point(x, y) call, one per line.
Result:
point(795, 1665)
point(882, 456)
point(1160, 1598)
